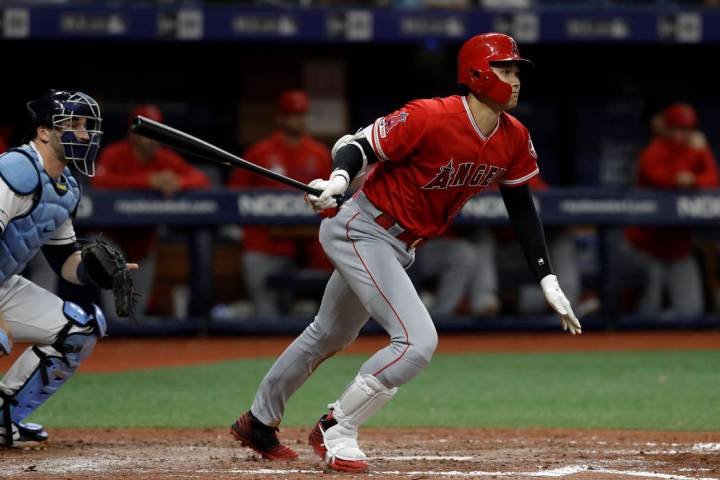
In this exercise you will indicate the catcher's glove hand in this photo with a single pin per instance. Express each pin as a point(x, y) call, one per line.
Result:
point(108, 269)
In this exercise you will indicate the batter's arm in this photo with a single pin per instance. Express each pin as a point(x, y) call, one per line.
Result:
point(529, 231)
point(351, 156)
point(528, 228)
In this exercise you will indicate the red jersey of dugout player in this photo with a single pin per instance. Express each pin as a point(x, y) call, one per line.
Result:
point(431, 156)
point(292, 152)
point(679, 158)
point(138, 163)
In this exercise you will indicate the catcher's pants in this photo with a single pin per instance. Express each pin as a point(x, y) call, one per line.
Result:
point(35, 316)
point(369, 280)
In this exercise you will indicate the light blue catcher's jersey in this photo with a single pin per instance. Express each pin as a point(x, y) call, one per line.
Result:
point(53, 204)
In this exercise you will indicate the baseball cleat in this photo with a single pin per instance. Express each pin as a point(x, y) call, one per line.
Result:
point(345, 455)
point(254, 434)
point(25, 435)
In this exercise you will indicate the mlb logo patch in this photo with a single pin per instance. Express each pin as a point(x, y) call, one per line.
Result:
point(531, 149)
point(388, 123)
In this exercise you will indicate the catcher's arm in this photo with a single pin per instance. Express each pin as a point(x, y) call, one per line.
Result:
point(71, 268)
point(95, 263)
point(65, 261)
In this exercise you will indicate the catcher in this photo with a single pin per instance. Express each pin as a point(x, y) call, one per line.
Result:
point(38, 199)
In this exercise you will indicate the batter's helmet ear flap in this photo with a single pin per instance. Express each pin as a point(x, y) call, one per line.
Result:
point(488, 84)
point(475, 61)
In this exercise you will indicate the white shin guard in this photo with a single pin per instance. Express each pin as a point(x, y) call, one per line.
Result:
point(360, 401)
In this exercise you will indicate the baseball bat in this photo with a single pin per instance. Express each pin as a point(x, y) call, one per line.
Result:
point(187, 143)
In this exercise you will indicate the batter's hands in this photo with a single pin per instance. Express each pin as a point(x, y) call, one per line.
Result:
point(336, 185)
point(559, 302)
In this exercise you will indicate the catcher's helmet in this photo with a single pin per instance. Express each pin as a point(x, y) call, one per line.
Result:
point(59, 109)
point(476, 57)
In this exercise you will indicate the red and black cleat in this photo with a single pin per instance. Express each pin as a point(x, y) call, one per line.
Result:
point(316, 439)
point(254, 434)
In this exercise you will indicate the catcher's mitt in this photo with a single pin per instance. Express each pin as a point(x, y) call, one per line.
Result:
point(107, 268)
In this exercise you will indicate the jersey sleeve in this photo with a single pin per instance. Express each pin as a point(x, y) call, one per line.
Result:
point(524, 165)
point(395, 136)
point(12, 205)
point(63, 235)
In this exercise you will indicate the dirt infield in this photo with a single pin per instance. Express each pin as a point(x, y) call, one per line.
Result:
point(420, 453)
point(114, 355)
point(395, 453)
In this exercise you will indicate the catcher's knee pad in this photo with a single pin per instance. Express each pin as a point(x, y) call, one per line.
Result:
point(56, 365)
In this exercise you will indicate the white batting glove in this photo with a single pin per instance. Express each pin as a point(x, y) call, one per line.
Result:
point(559, 302)
point(336, 185)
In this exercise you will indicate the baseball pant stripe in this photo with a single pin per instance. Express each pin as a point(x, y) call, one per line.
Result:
point(407, 337)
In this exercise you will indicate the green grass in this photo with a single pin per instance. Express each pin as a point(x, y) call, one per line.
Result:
point(636, 390)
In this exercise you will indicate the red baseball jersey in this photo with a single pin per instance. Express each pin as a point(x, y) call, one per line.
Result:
point(658, 167)
point(434, 158)
point(304, 161)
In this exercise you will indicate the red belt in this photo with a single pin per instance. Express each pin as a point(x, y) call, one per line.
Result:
point(388, 222)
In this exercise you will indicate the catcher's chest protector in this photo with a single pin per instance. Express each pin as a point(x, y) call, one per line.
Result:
point(21, 168)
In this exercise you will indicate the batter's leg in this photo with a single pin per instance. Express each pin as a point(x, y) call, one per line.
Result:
point(372, 264)
point(340, 318)
point(337, 324)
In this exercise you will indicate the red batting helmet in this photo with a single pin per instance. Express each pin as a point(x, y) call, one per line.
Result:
point(680, 115)
point(293, 101)
point(476, 57)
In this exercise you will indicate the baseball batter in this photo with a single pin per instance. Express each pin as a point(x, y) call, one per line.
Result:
point(38, 198)
point(432, 156)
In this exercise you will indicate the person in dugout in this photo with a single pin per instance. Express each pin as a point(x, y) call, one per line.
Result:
point(677, 159)
point(269, 251)
point(138, 163)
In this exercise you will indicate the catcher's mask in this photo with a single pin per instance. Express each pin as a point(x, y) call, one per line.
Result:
point(75, 118)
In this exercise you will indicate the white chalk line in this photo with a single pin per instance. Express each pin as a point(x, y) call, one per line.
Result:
point(403, 458)
point(553, 473)
point(706, 447)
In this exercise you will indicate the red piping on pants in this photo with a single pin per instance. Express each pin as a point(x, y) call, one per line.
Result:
point(407, 337)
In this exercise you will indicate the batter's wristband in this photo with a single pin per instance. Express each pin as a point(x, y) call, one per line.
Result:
point(339, 172)
point(5, 345)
